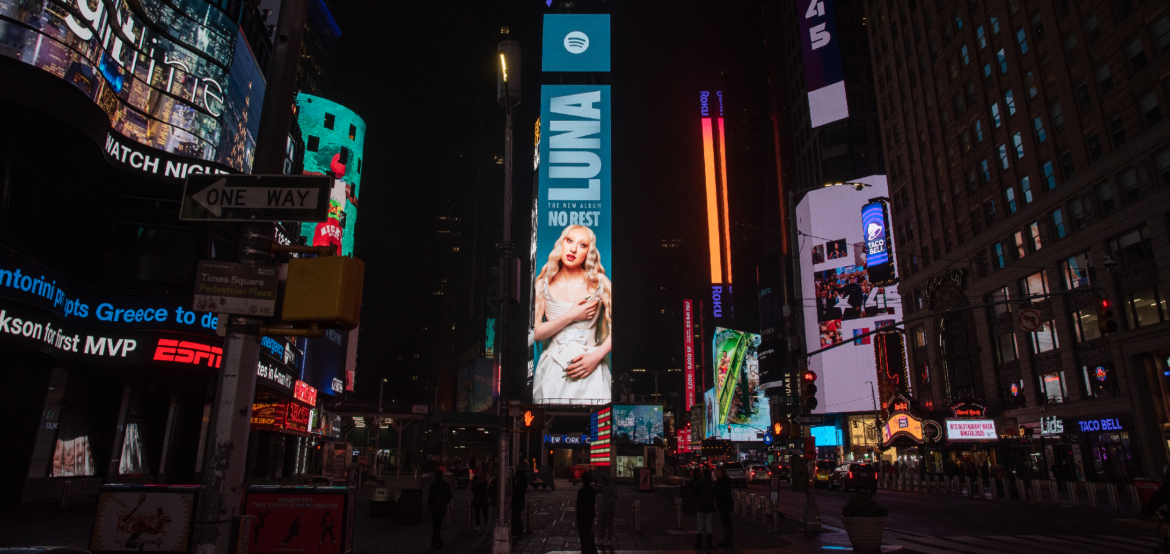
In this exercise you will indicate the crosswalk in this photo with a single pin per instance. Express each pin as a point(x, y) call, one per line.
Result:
point(1023, 544)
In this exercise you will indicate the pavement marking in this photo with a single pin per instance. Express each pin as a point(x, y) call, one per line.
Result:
point(1001, 544)
point(1140, 541)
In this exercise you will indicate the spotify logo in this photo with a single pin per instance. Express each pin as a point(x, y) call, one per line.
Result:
point(576, 42)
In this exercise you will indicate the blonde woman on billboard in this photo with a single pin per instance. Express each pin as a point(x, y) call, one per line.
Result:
point(572, 300)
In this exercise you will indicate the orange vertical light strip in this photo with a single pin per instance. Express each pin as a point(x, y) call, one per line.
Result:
point(726, 217)
point(712, 203)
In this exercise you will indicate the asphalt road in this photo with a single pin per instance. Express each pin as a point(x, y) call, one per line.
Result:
point(939, 515)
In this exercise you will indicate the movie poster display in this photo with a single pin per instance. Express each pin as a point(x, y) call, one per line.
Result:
point(638, 424)
point(334, 141)
point(741, 410)
point(183, 80)
point(847, 303)
point(572, 289)
point(152, 518)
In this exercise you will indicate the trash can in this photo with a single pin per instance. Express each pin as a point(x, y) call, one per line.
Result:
point(382, 505)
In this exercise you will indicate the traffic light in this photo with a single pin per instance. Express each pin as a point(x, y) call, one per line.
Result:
point(1105, 322)
point(532, 420)
point(809, 391)
point(780, 429)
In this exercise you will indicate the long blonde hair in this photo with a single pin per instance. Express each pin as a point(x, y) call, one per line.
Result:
point(593, 272)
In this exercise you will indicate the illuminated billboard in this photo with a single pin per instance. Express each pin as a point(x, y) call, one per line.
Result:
point(572, 290)
point(576, 42)
point(334, 139)
point(718, 218)
point(847, 303)
point(637, 424)
point(879, 260)
point(174, 75)
point(823, 73)
point(689, 352)
point(740, 411)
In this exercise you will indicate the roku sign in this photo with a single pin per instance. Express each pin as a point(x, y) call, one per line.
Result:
point(186, 352)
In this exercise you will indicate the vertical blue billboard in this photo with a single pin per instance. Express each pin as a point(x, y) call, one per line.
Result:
point(576, 42)
point(823, 74)
point(573, 248)
point(875, 224)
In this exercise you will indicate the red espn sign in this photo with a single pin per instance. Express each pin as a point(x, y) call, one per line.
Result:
point(187, 352)
point(305, 393)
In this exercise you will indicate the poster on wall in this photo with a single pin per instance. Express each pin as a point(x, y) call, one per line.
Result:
point(300, 519)
point(573, 248)
point(136, 518)
point(740, 411)
point(334, 141)
point(848, 303)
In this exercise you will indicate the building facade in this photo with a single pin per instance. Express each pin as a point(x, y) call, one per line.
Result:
point(1028, 168)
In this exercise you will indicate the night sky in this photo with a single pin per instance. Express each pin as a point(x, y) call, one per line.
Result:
point(422, 75)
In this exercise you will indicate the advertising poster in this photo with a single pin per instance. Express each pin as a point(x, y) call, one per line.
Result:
point(178, 82)
point(296, 522)
point(573, 248)
point(698, 422)
point(741, 409)
point(689, 352)
point(637, 424)
point(131, 521)
point(823, 73)
point(334, 140)
point(73, 458)
point(847, 303)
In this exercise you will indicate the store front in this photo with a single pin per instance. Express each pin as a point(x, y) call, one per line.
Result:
point(1110, 454)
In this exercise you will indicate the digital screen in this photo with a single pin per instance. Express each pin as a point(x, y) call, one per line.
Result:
point(334, 141)
point(637, 424)
point(689, 352)
point(183, 81)
point(600, 437)
point(133, 460)
point(848, 304)
point(971, 430)
point(740, 409)
point(575, 42)
point(901, 424)
point(875, 226)
point(823, 73)
point(73, 458)
point(826, 435)
point(573, 237)
point(324, 361)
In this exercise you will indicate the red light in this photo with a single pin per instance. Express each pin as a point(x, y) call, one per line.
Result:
point(810, 376)
point(850, 474)
point(1104, 303)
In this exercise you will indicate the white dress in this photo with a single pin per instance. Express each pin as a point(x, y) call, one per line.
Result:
point(549, 383)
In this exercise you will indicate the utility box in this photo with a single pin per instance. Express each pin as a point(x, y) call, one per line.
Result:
point(326, 291)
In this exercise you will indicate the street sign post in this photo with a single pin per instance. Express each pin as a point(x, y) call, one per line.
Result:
point(1029, 320)
point(809, 420)
point(211, 197)
point(235, 288)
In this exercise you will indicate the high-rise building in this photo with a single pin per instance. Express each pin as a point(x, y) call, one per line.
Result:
point(1029, 171)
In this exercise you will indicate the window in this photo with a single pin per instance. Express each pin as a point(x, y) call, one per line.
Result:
point(1149, 106)
point(1104, 80)
point(1044, 339)
point(1003, 155)
point(981, 37)
point(960, 108)
point(1162, 34)
point(999, 255)
point(994, 26)
point(919, 336)
point(995, 114)
point(1053, 388)
point(1011, 102)
point(1076, 271)
point(1117, 132)
point(1162, 164)
point(312, 144)
point(1144, 308)
point(1082, 94)
point(989, 212)
point(958, 20)
point(1085, 324)
point(1057, 116)
point(1091, 29)
point(952, 69)
point(1026, 189)
point(1132, 247)
point(978, 128)
point(1002, 60)
point(1018, 142)
point(329, 121)
point(1049, 176)
point(1136, 54)
point(1030, 83)
point(1093, 142)
point(1077, 206)
point(1100, 380)
point(1011, 199)
point(1066, 164)
point(1005, 348)
point(1034, 231)
point(1022, 40)
point(987, 80)
point(972, 181)
point(1123, 7)
point(981, 263)
point(1070, 42)
point(1018, 237)
point(352, 132)
point(965, 140)
point(1035, 284)
point(986, 171)
point(966, 57)
point(1058, 223)
point(1002, 297)
point(1130, 192)
point(1105, 202)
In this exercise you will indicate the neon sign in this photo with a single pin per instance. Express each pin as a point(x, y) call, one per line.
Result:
point(303, 392)
point(187, 352)
point(1104, 424)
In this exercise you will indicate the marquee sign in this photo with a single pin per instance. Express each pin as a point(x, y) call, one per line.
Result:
point(969, 410)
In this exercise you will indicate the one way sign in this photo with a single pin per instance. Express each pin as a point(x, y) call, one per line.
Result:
point(209, 197)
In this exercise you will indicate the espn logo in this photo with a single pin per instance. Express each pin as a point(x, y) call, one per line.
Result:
point(185, 352)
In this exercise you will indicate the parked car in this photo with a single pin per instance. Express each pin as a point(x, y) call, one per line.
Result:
point(824, 469)
point(854, 475)
point(737, 473)
point(759, 474)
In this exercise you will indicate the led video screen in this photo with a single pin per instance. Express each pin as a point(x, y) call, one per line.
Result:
point(638, 424)
point(740, 411)
point(334, 141)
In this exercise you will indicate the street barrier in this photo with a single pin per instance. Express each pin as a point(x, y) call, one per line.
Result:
point(1072, 493)
point(763, 512)
point(991, 485)
point(751, 507)
point(1091, 489)
point(678, 511)
point(1111, 489)
point(1054, 490)
point(967, 485)
point(65, 494)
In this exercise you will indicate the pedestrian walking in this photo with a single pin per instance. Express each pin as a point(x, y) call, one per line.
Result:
point(726, 505)
point(607, 507)
point(438, 496)
point(586, 511)
point(479, 500)
point(519, 488)
point(704, 492)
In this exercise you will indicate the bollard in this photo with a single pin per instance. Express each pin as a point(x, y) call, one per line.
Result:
point(65, 494)
point(1037, 492)
point(751, 507)
point(1133, 494)
point(763, 512)
point(637, 515)
point(991, 486)
point(1072, 493)
point(1111, 490)
point(1054, 489)
point(1021, 490)
point(531, 505)
point(470, 520)
point(678, 511)
point(450, 508)
point(1091, 489)
point(966, 484)
point(775, 515)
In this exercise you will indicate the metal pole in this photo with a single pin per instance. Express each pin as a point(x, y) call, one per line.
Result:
point(378, 431)
point(501, 544)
